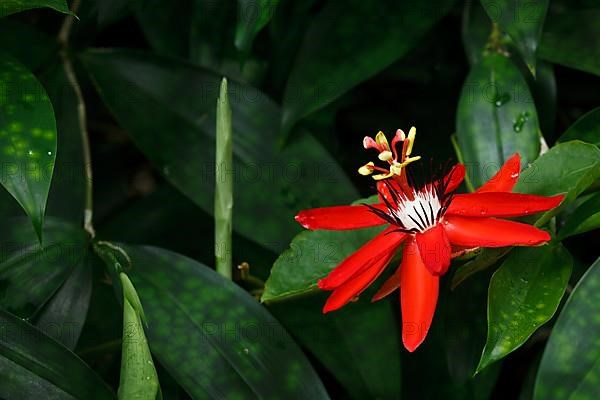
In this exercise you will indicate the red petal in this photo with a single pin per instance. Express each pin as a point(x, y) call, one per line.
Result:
point(500, 204)
point(418, 297)
point(397, 183)
point(388, 287)
point(454, 178)
point(340, 217)
point(379, 247)
point(506, 178)
point(355, 286)
point(435, 250)
point(491, 232)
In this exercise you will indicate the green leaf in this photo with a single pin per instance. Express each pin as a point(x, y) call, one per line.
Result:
point(586, 128)
point(30, 274)
point(213, 338)
point(524, 294)
point(252, 16)
point(268, 181)
point(343, 342)
point(139, 379)
point(64, 315)
point(223, 185)
point(311, 256)
point(567, 168)
point(476, 29)
point(564, 32)
point(34, 366)
point(165, 27)
point(485, 259)
point(585, 218)
point(523, 21)
point(8, 7)
point(496, 118)
point(570, 365)
point(349, 42)
point(27, 139)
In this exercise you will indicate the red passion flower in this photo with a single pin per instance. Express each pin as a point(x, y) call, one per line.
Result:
point(433, 222)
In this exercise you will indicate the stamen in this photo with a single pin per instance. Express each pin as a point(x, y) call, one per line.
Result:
point(411, 140)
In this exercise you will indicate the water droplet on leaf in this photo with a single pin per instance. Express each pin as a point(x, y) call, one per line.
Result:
point(501, 99)
point(520, 121)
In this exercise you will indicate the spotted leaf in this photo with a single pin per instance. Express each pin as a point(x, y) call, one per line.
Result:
point(523, 295)
point(27, 139)
point(570, 366)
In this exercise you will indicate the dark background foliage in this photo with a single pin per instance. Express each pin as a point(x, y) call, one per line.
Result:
point(301, 107)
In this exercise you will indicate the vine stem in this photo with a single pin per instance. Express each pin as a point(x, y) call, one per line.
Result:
point(63, 39)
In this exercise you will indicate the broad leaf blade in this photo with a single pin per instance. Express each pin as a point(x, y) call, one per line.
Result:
point(565, 31)
point(343, 342)
point(496, 118)
point(567, 168)
point(27, 139)
point(34, 366)
point(586, 128)
point(8, 7)
point(181, 99)
point(349, 42)
point(312, 255)
point(252, 16)
point(586, 217)
point(64, 315)
point(522, 20)
point(524, 294)
point(30, 274)
point(213, 338)
point(570, 363)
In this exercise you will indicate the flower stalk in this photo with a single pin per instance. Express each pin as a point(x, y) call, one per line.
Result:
point(223, 207)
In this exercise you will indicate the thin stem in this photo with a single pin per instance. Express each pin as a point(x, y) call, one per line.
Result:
point(63, 39)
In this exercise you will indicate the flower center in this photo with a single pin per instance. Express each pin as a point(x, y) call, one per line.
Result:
point(419, 213)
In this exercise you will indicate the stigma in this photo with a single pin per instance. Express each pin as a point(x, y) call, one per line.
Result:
point(397, 161)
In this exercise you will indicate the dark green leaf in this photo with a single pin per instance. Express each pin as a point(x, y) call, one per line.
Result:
point(213, 338)
point(349, 42)
point(269, 183)
point(485, 259)
point(30, 274)
point(522, 20)
point(585, 218)
point(27, 139)
point(252, 16)
point(139, 380)
point(570, 365)
point(524, 294)
point(165, 27)
point(564, 32)
point(311, 256)
point(586, 128)
point(476, 28)
point(8, 7)
point(64, 315)
point(496, 118)
point(343, 342)
point(34, 49)
point(34, 366)
point(567, 168)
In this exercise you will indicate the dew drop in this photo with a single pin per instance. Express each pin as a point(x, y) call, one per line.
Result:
point(166, 170)
point(520, 121)
point(49, 153)
point(501, 99)
point(30, 152)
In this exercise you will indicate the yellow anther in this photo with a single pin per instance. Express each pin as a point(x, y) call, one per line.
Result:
point(381, 139)
point(409, 160)
point(385, 155)
point(382, 176)
point(396, 169)
point(411, 140)
point(400, 133)
point(366, 169)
